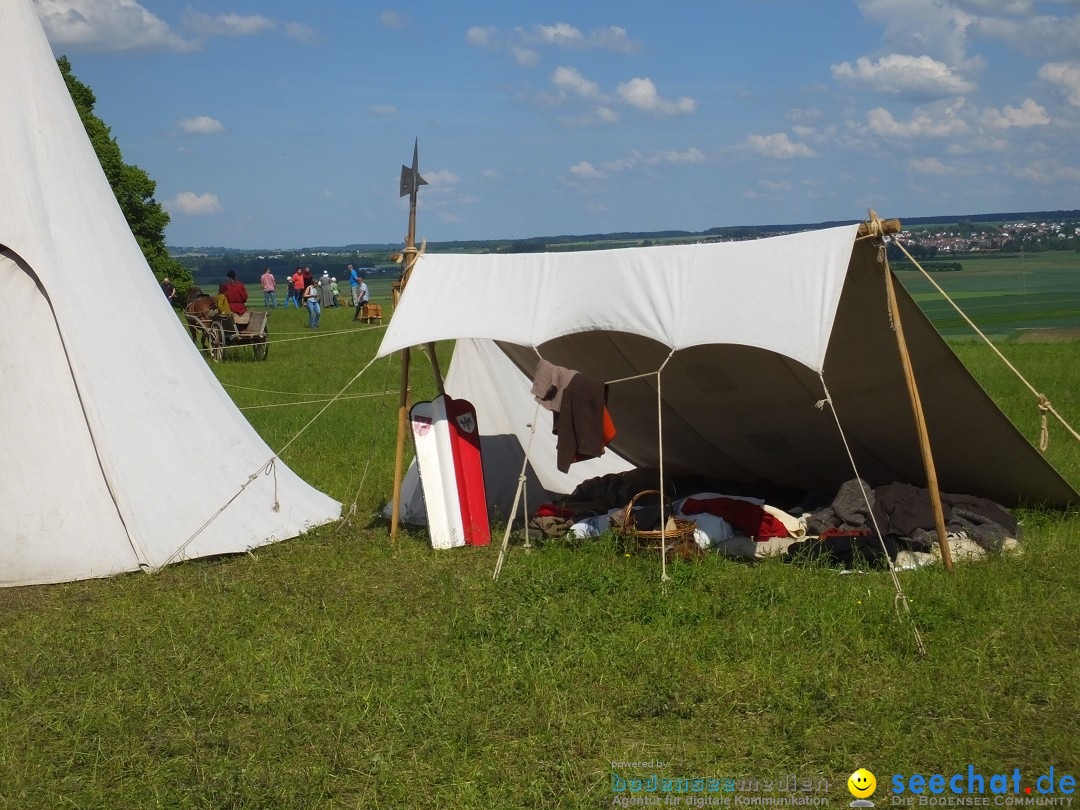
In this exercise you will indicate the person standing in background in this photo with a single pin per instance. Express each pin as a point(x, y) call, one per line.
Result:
point(296, 287)
point(361, 297)
point(269, 288)
point(168, 289)
point(326, 294)
point(354, 283)
point(311, 301)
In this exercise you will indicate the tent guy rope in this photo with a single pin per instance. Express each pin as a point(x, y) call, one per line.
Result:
point(1043, 401)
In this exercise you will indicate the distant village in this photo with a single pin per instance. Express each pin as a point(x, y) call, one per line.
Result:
point(968, 237)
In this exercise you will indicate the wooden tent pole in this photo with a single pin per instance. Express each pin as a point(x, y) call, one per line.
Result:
point(410, 183)
point(916, 407)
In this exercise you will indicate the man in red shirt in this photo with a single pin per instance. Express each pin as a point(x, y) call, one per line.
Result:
point(235, 293)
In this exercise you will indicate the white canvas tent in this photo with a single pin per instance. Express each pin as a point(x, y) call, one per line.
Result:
point(748, 336)
point(120, 449)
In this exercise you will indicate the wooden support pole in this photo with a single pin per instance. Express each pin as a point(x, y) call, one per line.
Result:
point(399, 451)
point(920, 419)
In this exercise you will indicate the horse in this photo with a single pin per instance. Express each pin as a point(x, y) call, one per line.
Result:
point(198, 309)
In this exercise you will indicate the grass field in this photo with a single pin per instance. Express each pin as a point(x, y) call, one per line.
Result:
point(1004, 295)
point(336, 670)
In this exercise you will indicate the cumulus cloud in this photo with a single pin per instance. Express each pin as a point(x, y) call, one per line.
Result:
point(1065, 76)
point(525, 57)
point(922, 124)
point(523, 42)
point(231, 25)
point(301, 33)
point(571, 81)
point(777, 146)
point(1028, 114)
point(917, 78)
point(600, 114)
point(107, 25)
point(930, 166)
point(201, 125)
point(585, 170)
point(691, 155)
point(479, 36)
point(194, 205)
point(642, 94)
point(565, 36)
point(940, 28)
point(441, 177)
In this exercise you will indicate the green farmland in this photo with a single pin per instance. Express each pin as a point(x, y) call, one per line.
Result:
point(1004, 295)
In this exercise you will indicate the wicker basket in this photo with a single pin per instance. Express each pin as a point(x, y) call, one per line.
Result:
point(678, 537)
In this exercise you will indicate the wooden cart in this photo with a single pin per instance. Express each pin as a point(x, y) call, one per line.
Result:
point(215, 332)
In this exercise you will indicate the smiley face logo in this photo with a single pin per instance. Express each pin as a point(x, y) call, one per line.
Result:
point(862, 784)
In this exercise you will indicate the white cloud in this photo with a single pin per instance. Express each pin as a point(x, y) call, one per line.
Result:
point(201, 125)
point(565, 36)
point(691, 155)
point(778, 146)
point(922, 124)
point(481, 36)
point(106, 25)
point(440, 177)
point(911, 77)
point(1028, 114)
point(597, 115)
point(232, 25)
point(641, 93)
point(384, 110)
point(194, 205)
point(301, 33)
point(393, 20)
point(774, 186)
point(525, 57)
point(1066, 77)
point(937, 27)
point(571, 81)
point(931, 166)
point(585, 170)
point(1046, 172)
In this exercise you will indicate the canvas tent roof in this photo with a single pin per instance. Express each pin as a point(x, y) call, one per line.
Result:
point(119, 445)
point(748, 335)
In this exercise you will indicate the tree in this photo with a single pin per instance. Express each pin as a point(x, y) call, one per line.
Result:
point(132, 186)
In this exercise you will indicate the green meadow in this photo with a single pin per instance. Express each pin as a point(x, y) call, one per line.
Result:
point(341, 670)
point(1004, 295)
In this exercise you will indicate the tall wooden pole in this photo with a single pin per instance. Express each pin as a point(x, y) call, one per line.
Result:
point(916, 404)
point(410, 184)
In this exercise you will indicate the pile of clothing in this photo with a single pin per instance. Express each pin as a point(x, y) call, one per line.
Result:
point(842, 530)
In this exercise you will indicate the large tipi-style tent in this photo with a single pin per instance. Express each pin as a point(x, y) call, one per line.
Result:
point(749, 338)
point(120, 449)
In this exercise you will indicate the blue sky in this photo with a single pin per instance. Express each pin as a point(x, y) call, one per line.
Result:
point(284, 124)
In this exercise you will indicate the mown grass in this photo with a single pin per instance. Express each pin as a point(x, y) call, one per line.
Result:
point(338, 670)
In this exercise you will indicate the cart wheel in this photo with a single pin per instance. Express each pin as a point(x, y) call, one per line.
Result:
point(261, 349)
point(217, 342)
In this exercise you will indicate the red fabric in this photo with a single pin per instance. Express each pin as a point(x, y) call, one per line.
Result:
point(609, 427)
point(551, 510)
point(748, 518)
